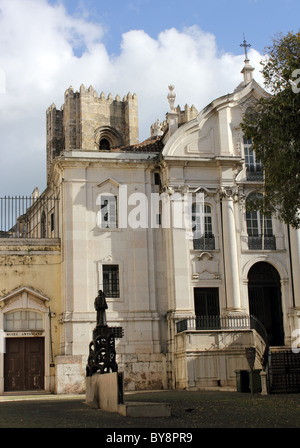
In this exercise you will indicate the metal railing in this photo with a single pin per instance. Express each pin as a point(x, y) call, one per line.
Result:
point(256, 325)
point(29, 217)
point(206, 242)
point(261, 242)
point(214, 323)
point(254, 176)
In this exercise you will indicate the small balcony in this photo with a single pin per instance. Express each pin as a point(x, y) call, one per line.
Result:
point(206, 242)
point(262, 242)
point(254, 176)
point(214, 323)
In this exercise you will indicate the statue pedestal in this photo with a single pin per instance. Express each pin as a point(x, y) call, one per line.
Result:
point(105, 392)
point(104, 385)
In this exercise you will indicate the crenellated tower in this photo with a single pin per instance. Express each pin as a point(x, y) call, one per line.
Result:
point(88, 122)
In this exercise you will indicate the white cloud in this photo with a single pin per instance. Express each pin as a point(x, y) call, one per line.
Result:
point(43, 51)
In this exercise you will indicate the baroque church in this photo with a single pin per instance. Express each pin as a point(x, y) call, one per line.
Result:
point(190, 301)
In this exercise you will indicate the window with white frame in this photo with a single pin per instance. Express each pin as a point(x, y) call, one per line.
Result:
point(107, 215)
point(202, 238)
point(111, 280)
point(253, 164)
point(259, 228)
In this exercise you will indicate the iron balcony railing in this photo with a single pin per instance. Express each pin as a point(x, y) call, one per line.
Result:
point(29, 217)
point(240, 322)
point(206, 242)
point(262, 242)
point(255, 176)
point(213, 323)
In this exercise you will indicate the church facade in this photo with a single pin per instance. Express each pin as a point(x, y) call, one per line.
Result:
point(161, 228)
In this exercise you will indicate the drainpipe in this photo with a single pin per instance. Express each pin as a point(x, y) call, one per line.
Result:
point(50, 332)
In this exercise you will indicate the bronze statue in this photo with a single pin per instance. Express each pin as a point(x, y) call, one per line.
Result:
point(102, 353)
point(100, 306)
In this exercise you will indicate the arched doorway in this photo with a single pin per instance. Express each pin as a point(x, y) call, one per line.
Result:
point(264, 291)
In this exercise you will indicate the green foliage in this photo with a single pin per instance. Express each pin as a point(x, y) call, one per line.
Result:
point(274, 126)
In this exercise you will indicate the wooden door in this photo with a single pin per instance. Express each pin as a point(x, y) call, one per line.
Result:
point(264, 291)
point(207, 308)
point(14, 364)
point(206, 301)
point(24, 364)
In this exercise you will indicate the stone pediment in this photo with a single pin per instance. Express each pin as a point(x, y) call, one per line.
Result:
point(108, 182)
point(24, 297)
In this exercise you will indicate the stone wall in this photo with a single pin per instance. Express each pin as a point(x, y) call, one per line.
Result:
point(141, 372)
point(69, 375)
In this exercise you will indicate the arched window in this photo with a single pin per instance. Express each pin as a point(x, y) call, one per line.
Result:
point(107, 137)
point(259, 228)
point(104, 145)
point(207, 240)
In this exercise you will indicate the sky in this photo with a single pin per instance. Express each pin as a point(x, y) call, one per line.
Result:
point(120, 46)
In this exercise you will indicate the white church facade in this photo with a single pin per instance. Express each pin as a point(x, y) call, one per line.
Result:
point(162, 228)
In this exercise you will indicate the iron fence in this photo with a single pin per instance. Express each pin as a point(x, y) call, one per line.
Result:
point(29, 217)
point(284, 372)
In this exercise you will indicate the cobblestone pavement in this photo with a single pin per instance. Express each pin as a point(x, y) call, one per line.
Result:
point(190, 409)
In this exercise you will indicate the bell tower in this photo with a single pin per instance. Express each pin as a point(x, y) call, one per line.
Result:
point(88, 122)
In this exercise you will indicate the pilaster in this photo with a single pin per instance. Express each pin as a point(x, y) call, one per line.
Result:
point(230, 253)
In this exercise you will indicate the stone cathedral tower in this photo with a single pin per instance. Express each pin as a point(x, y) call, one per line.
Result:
point(88, 122)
